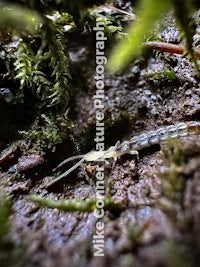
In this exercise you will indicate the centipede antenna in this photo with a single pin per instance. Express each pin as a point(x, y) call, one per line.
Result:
point(63, 175)
point(67, 160)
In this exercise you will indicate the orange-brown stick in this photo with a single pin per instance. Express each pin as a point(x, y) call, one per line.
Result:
point(170, 48)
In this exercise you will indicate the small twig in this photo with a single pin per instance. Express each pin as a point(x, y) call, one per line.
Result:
point(171, 48)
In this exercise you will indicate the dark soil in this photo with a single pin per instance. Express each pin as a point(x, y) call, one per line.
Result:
point(160, 225)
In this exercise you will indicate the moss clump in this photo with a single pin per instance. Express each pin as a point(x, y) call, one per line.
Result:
point(43, 68)
point(5, 211)
point(44, 133)
point(72, 205)
point(5, 245)
point(39, 67)
point(173, 183)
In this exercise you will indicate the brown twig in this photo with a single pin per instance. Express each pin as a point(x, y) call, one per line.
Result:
point(171, 48)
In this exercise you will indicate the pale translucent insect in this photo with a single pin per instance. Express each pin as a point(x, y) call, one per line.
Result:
point(133, 145)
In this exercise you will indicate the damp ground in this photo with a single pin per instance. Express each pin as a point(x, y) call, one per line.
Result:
point(159, 225)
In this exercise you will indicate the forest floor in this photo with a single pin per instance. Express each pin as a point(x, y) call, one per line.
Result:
point(160, 222)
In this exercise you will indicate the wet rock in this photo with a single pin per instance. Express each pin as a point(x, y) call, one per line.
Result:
point(28, 162)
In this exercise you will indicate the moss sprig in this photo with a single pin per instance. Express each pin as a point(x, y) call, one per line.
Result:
point(72, 205)
point(44, 68)
point(44, 132)
point(5, 211)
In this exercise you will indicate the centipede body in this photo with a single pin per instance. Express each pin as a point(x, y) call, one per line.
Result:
point(133, 145)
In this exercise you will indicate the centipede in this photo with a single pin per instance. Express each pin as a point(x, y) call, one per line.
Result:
point(132, 146)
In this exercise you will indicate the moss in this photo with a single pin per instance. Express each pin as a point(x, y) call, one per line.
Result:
point(6, 256)
point(114, 21)
point(127, 260)
point(186, 25)
point(44, 133)
point(44, 68)
point(173, 152)
point(162, 75)
point(176, 257)
point(134, 233)
point(5, 211)
point(173, 183)
point(170, 74)
point(72, 205)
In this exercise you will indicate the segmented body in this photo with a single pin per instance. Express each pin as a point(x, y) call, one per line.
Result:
point(155, 137)
point(134, 144)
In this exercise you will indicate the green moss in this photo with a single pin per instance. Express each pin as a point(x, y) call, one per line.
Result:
point(6, 256)
point(173, 182)
point(127, 260)
point(173, 152)
point(176, 257)
point(5, 211)
point(186, 24)
point(72, 205)
point(112, 20)
point(162, 75)
point(44, 68)
point(44, 133)
point(134, 235)
point(170, 74)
